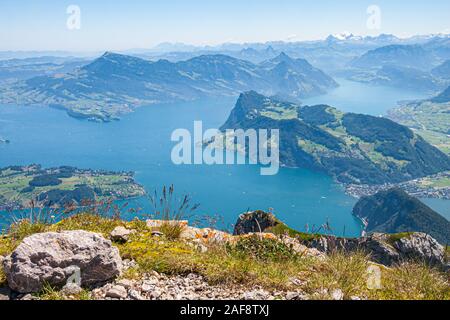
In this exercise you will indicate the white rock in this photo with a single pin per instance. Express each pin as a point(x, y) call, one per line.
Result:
point(71, 289)
point(121, 234)
point(337, 294)
point(55, 257)
point(292, 296)
point(117, 292)
point(135, 295)
point(255, 295)
point(128, 284)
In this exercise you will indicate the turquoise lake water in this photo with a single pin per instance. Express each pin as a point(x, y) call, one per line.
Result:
point(141, 142)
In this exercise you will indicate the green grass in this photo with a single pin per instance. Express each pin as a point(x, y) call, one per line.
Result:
point(398, 236)
point(52, 293)
point(220, 264)
point(282, 229)
point(411, 281)
point(250, 261)
point(2, 278)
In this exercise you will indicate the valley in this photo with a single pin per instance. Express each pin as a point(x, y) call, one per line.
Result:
point(115, 84)
point(334, 160)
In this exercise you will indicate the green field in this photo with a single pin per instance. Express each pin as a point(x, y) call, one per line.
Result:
point(429, 120)
point(17, 188)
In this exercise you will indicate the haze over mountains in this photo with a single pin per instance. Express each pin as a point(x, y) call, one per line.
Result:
point(104, 88)
point(115, 84)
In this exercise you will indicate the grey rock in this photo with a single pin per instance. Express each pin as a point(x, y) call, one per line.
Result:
point(135, 295)
point(71, 289)
point(292, 296)
point(337, 294)
point(28, 297)
point(4, 294)
point(422, 247)
point(127, 284)
point(255, 295)
point(127, 264)
point(117, 292)
point(121, 234)
point(157, 234)
point(256, 221)
point(381, 249)
point(54, 257)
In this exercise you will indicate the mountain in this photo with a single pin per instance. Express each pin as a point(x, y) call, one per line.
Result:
point(20, 69)
point(402, 66)
point(254, 55)
point(443, 97)
point(439, 46)
point(412, 56)
point(350, 38)
point(395, 211)
point(353, 148)
point(115, 84)
point(292, 77)
point(442, 71)
point(399, 77)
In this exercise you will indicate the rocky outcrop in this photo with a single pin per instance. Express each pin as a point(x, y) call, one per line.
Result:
point(387, 249)
point(421, 246)
point(121, 234)
point(254, 222)
point(382, 248)
point(53, 258)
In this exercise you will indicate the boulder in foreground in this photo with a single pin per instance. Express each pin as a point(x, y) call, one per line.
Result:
point(52, 258)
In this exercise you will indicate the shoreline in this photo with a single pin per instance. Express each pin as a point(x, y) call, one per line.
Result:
point(416, 188)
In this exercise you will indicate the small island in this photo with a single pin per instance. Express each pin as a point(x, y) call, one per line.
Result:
point(63, 186)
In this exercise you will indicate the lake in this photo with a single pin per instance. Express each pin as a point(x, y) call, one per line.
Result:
point(358, 97)
point(141, 142)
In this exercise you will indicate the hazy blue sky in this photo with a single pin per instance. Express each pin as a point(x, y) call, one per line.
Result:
point(118, 25)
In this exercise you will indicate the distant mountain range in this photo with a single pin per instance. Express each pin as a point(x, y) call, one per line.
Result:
point(411, 56)
point(353, 148)
point(339, 39)
point(416, 67)
point(20, 69)
point(114, 84)
point(442, 71)
point(443, 97)
point(394, 211)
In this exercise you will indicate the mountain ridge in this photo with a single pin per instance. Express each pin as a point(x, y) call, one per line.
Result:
point(115, 84)
point(394, 211)
point(353, 148)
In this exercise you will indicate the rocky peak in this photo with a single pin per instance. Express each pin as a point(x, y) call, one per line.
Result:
point(254, 222)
